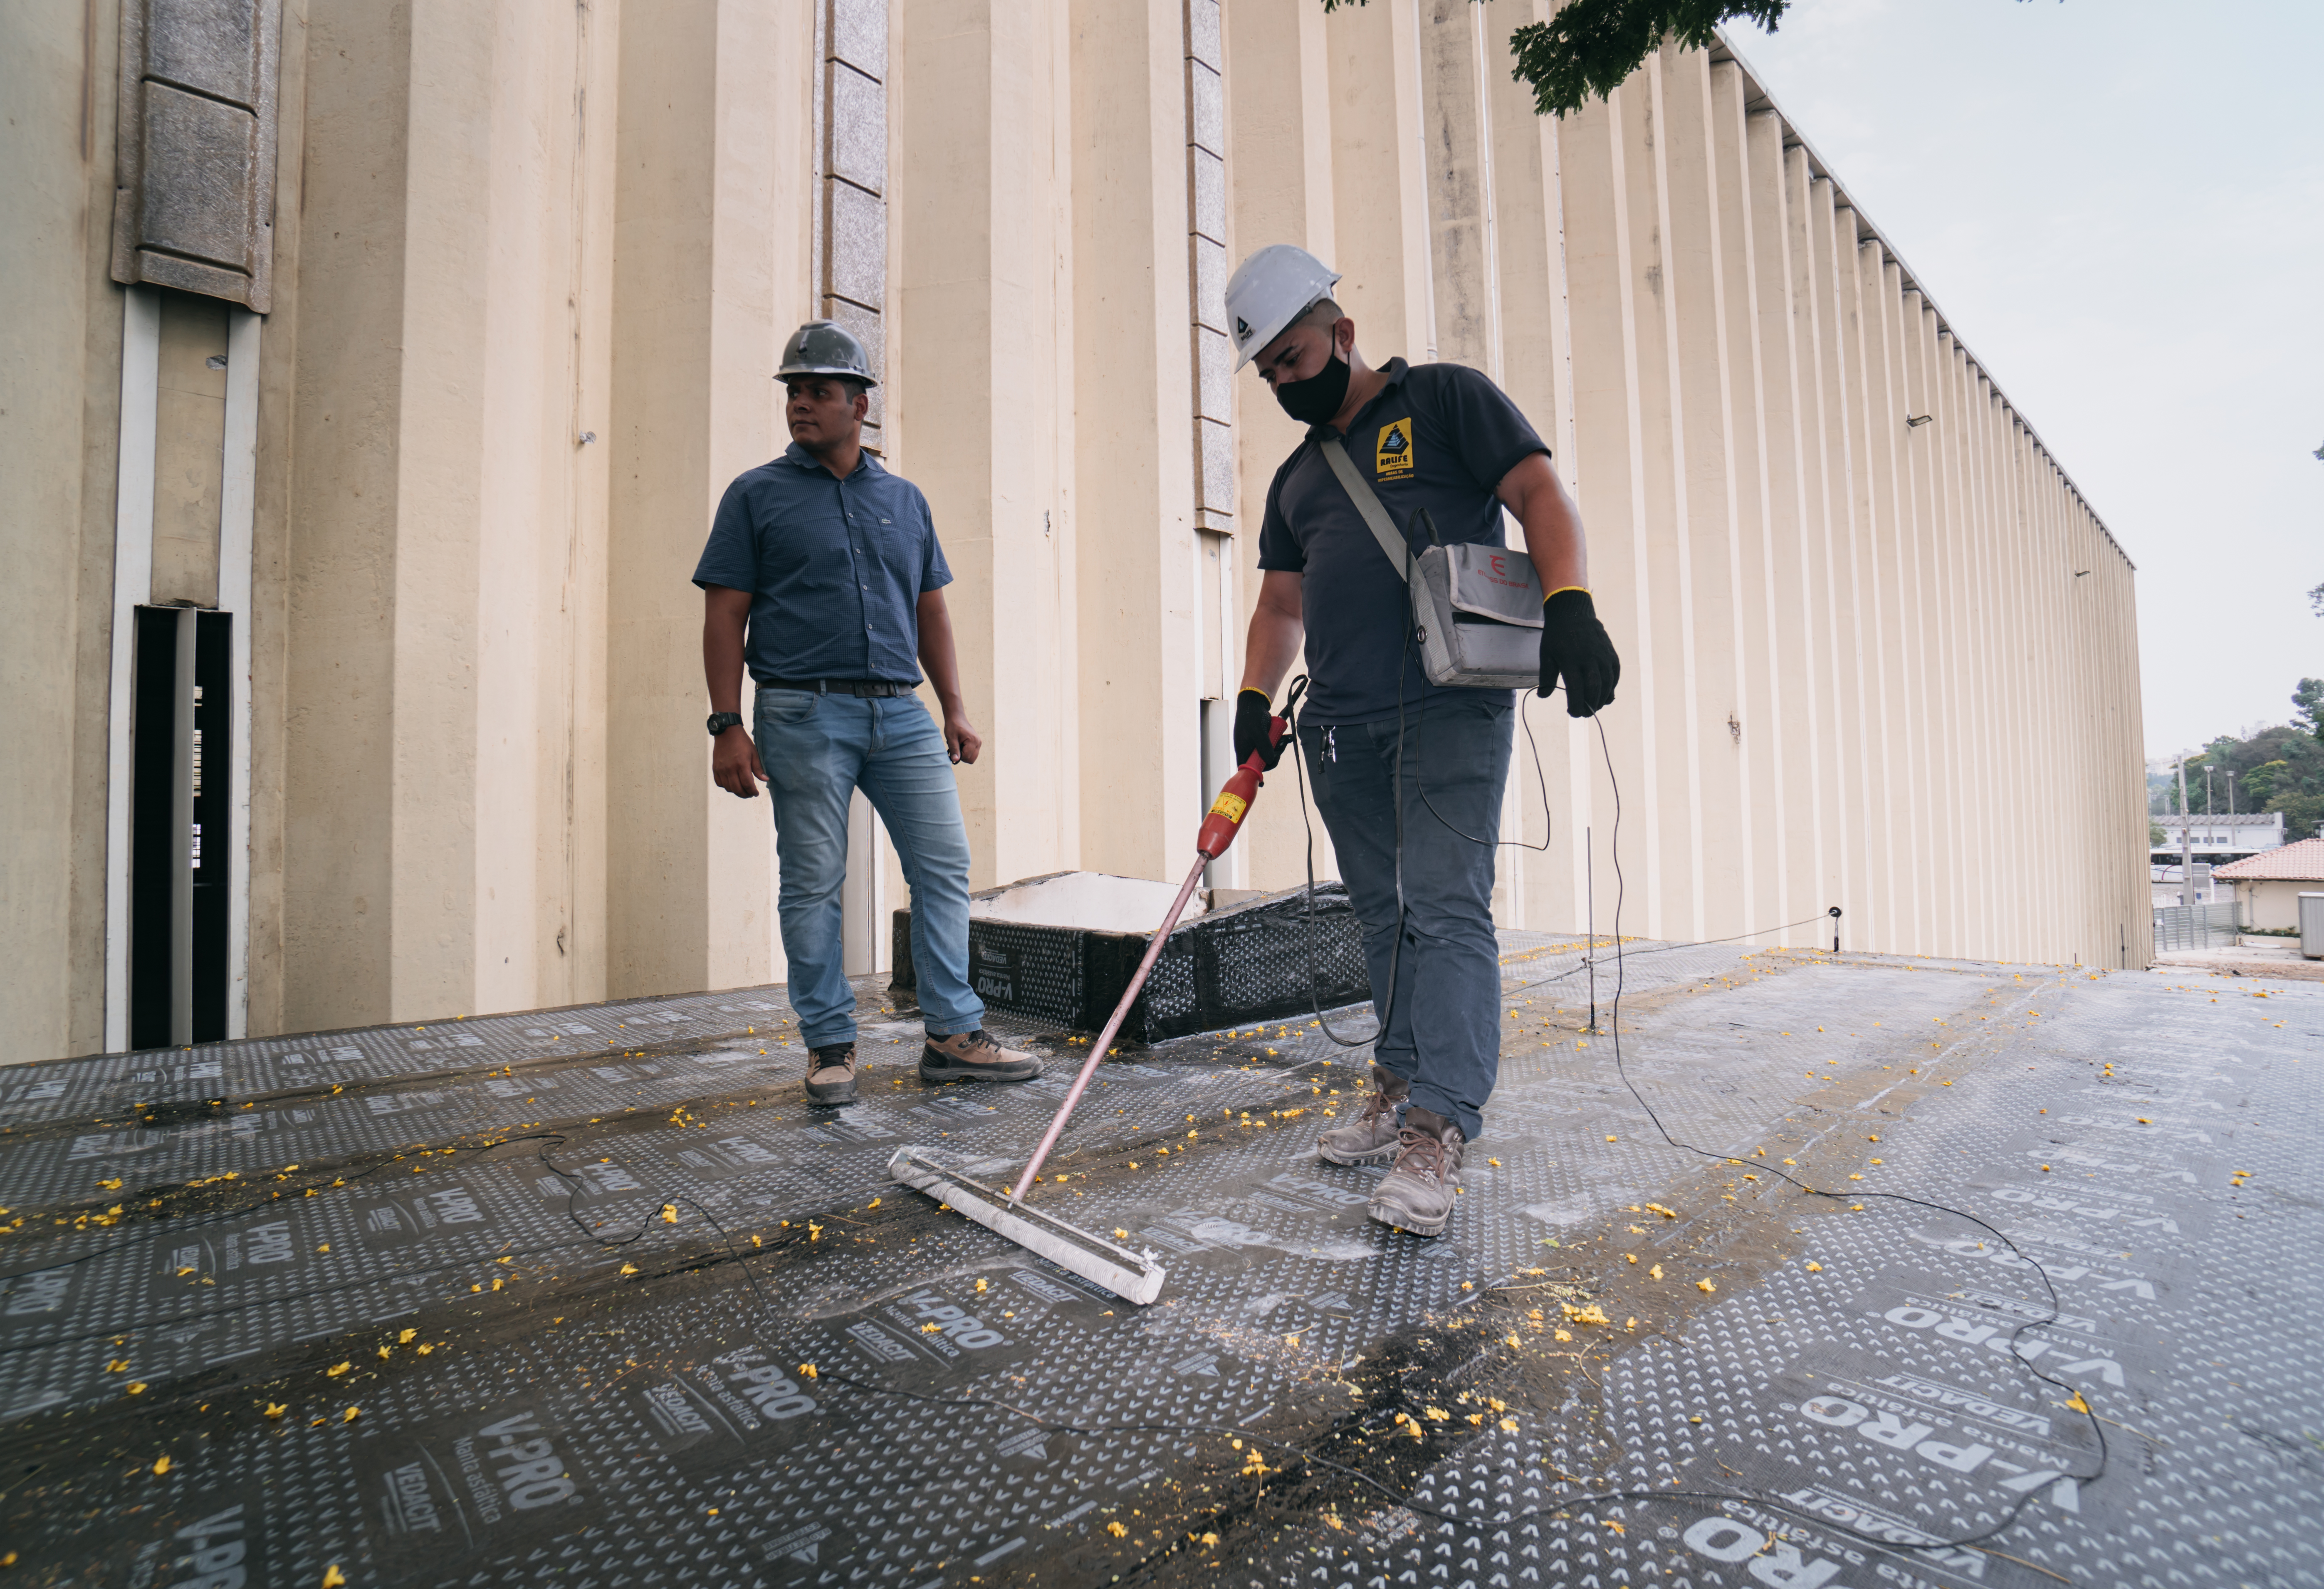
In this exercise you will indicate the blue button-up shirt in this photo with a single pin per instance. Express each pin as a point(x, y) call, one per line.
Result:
point(835, 568)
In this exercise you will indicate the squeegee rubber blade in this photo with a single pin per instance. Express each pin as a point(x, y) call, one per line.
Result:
point(1062, 1245)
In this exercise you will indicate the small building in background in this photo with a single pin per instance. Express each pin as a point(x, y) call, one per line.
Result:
point(2216, 839)
point(2268, 886)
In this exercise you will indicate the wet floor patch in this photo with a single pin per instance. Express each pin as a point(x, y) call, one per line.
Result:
point(594, 1297)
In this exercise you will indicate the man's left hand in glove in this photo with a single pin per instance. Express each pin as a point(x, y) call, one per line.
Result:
point(1576, 648)
point(1254, 717)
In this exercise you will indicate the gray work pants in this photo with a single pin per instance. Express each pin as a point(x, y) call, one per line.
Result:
point(1444, 1028)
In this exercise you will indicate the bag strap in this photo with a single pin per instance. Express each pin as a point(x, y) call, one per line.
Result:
point(1393, 546)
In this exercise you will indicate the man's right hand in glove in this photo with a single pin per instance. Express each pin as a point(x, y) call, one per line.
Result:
point(1576, 648)
point(1254, 716)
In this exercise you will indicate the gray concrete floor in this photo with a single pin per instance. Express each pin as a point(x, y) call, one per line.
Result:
point(532, 1299)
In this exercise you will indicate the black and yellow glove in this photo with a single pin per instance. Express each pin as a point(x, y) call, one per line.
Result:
point(1575, 648)
point(1253, 714)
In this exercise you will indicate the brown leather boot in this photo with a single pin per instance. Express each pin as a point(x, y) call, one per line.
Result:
point(1417, 1195)
point(973, 1055)
point(831, 1075)
point(1373, 1136)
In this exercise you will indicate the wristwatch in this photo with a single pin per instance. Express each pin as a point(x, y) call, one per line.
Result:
point(719, 721)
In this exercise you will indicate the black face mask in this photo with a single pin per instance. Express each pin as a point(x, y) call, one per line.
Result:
point(1316, 398)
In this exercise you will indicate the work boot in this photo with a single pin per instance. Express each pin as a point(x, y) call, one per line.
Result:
point(1373, 1137)
point(973, 1055)
point(831, 1075)
point(1417, 1195)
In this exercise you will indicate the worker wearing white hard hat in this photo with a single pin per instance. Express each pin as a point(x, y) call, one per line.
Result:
point(1407, 775)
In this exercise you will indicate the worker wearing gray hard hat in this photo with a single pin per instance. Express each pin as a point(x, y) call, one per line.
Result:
point(1407, 775)
point(824, 578)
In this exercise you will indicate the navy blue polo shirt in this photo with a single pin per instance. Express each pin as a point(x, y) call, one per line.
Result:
point(1438, 437)
point(835, 568)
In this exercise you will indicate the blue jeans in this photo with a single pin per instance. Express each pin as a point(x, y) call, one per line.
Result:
point(1444, 1033)
point(818, 749)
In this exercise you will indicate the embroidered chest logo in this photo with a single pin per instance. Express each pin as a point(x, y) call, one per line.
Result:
point(1392, 453)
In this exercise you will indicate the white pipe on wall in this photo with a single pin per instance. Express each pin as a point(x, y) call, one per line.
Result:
point(133, 586)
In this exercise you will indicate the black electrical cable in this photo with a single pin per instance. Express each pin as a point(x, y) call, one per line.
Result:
point(1663, 948)
point(2010, 1517)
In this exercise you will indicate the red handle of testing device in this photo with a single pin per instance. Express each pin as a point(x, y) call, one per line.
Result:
point(1226, 815)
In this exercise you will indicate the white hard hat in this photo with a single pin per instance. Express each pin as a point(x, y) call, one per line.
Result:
point(1269, 290)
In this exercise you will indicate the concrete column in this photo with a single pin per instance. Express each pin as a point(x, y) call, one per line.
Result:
point(1279, 189)
point(710, 250)
point(1708, 367)
point(981, 343)
point(1801, 311)
point(338, 945)
point(1874, 575)
point(1923, 451)
point(1760, 724)
point(1380, 186)
point(1611, 353)
point(1852, 663)
point(1141, 662)
point(1664, 554)
point(1537, 370)
point(1459, 49)
point(1795, 769)
point(545, 363)
point(1884, 431)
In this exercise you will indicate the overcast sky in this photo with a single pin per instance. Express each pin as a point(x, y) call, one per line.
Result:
point(2119, 207)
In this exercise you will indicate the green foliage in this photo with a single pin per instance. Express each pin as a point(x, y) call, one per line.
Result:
point(1587, 49)
point(2307, 699)
point(2154, 836)
point(2278, 769)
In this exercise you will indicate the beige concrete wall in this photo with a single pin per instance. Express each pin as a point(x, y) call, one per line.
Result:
point(1831, 619)
point(532, 270)
point(981, 348)
point(2272, 904)
point(710, 273)
point(60, 386)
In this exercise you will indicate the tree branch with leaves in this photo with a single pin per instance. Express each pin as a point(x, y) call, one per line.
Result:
point(1589, 47)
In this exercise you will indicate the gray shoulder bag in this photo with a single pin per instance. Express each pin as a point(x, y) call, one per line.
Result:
point(1476, 609)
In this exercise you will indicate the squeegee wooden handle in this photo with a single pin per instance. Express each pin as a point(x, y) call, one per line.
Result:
point(1105, 1037)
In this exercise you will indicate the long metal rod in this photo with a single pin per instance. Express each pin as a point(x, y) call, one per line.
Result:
point(1113, 1025)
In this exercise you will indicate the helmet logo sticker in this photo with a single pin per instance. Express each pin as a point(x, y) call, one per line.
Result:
point(1392, 453)
point(1242, 329)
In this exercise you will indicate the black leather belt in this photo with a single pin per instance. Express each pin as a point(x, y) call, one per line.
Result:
point(858, 686)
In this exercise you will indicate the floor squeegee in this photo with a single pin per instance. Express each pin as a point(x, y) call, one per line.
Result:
point(1134, 1276)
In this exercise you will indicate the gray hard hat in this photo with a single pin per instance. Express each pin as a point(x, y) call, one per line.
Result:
point(825, 348)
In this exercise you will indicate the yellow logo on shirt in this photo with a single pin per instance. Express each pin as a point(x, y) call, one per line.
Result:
point(1392, 456)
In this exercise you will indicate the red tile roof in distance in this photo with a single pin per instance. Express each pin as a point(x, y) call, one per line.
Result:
point(2300, 862)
